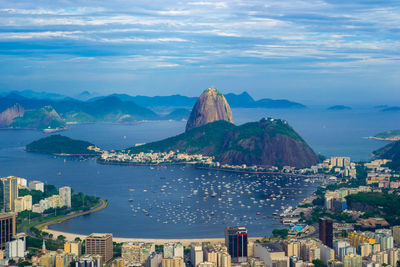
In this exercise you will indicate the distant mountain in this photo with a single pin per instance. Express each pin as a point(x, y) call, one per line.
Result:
point(210, 106)
point(60, 145)
point(280, 103)
point(267, 142)
point(85, 95)
point(391, 109)
point(39, 95)
point(109, 109)
point(339, 107)
point(178, 114)
point(43, 118)
point(106, 109)
point(243, 100)
point(392, 152)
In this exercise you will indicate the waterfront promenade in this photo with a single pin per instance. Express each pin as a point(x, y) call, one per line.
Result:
point(157, 241)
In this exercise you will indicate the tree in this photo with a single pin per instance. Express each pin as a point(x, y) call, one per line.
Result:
point(283, 233)
point(318, 263)
point(60, 237)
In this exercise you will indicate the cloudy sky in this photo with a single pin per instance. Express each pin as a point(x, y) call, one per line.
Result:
point(312, 51)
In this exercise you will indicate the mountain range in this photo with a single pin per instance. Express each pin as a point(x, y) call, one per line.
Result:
point(243, 100)
point(115, 108)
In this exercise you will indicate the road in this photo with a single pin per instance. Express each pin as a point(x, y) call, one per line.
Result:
point(36, 222)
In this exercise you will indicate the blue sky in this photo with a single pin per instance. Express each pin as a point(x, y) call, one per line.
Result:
point(336, 51)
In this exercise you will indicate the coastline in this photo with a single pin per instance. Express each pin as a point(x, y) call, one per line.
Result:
point(157, 241)
point(44, 225)
point(384, 138)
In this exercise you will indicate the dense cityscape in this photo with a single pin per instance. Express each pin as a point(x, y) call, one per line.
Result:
point(329, 228)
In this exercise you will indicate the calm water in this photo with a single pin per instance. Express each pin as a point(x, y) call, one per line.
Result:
point(167, 192)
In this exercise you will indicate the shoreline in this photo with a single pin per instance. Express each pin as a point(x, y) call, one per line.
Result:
point(158, 241)
point(44, 225)
point(384, 138)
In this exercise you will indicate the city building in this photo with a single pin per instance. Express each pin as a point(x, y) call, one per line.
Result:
point(73, 247)
point(16, 248)
point(217, 253)
point(396, 234)
point(118, 262)
point(292, 248)
point(100, 244)
point(10, 192)
point(309, 250)
point(7, 228)
point(174, 262)
point(272, 254)
point(327, 254)
point(352, 260)
point(65, 195)
point(90, 261)
point(154, 260)
point(23, 203)
point(342, 248)
point(359, 238)
point(173, 250)
point(36, 185)
point(326, 232)
point(196, 254)
point(207, 264)
point(236, 240)
point(136, 252)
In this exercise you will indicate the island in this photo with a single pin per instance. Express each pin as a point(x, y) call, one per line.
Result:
point(339, 107)
point(64, 146)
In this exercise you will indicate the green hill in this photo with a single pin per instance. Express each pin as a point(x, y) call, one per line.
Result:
point(389, 135)
point(58, 144)
point(267, 142)
point(41, 118)
point(392, 152)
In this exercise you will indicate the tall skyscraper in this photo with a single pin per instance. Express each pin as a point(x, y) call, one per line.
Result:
point(326, 232)
point(65, 194)
point(10, 192)
point(100, 244)
point(7, 228)
point(236, 240)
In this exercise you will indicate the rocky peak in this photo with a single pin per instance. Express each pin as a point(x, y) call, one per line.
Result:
point(7, 116)
point(210, 106)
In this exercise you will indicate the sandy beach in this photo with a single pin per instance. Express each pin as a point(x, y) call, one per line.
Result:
point(157, 241)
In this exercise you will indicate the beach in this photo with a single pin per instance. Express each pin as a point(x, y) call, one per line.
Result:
point(157, 241)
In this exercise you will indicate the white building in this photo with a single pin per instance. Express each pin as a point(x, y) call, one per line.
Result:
point(36, 185)
point(21, 182)
point(65, 194)
point(36, 208)
point(23, 203)
point(172, 250)
point(196, 254)
point(17, 247)
point(271, 253)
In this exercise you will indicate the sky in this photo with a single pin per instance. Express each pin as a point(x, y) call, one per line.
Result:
point(311, 51)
